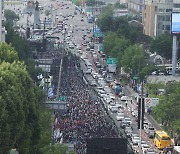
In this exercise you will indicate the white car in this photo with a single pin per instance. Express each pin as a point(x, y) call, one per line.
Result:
point(118, 105)
point(124, 98)
point(134, 113)
point(120, 116)
point(145, 147)
point(108, 100)
point(135, 140)
point(114, 109)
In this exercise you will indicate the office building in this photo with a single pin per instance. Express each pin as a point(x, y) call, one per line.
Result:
point(156, 16)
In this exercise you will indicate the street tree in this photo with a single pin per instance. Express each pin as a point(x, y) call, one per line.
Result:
point(20, 44)
point(105, 19)
point(77, 2)
point(133, 60)
point(162, 45)
point(7, 53)
point(10, 16)
point(166, 111)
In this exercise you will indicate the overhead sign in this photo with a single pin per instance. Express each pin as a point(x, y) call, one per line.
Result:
point(98, 34)
point(62, 98)
point(150, 102)
point(111, 60)
point(175, 23)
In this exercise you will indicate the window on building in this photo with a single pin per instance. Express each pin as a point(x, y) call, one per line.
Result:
point(168, 10)
point(176, 6)
point(164, 27)
point(167, 18)
point(168, 27)
point(159, 26)
point(155, 8)
point(161, 10)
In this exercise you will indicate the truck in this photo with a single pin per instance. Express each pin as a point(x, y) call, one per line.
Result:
point(112, 68)
point(118, 89)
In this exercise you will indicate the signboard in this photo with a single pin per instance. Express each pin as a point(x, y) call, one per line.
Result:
point(175, 23)
point(111, 60)
point(150, 102)
point(62, 98)
point(56, 105)
point(98, 34)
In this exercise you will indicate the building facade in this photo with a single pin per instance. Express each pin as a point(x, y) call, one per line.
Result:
point(135, 7)
point(156, 16)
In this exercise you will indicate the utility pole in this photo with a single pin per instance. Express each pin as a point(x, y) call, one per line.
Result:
point(141, 116)
point(60, 67)
point(0, 20)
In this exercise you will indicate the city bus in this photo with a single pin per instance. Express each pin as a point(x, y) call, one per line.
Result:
point(162, 139)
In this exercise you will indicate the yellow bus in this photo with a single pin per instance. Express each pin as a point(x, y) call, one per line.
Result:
point(162, 139)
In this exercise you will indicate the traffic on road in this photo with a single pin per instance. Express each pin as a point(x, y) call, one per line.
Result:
point(98, 103)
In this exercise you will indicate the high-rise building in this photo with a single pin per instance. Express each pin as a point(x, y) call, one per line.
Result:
point(135, 7)
point(156, 17)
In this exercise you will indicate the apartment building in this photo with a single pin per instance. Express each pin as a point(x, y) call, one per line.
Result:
point(156, 16)
point(135, 7)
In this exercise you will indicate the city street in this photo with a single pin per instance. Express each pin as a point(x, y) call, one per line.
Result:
point(76, 27)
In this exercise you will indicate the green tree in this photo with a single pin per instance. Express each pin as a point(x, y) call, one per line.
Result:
point(162, 45)
point(77, 2)
point(7, 53)
point(20, 45)
point(133, 60)
point(57, 149)
point(105, 20)
point(167, 111)
point(10, 16)
point(19, 116)
point(120, 6)
point(109, 42)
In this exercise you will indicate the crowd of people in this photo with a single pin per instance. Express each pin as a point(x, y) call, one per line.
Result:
point(84, 118)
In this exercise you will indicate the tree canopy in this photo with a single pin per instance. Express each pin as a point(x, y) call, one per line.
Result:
point(162, 45)
point(10, 16)
point(167, 111)
point(133, 60)
point(24, 123)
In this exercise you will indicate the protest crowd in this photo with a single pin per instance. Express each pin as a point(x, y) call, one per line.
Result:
point(84, 118)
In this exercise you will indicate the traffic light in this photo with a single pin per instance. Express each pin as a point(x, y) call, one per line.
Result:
point(141, 108)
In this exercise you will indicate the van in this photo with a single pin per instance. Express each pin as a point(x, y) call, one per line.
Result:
point(150, 131)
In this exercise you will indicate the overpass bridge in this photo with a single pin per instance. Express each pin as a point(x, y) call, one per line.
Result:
point(59, 106)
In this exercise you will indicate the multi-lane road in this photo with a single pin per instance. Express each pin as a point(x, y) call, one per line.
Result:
point(75, 29)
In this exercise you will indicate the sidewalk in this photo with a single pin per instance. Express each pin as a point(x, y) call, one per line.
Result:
point(132, 93)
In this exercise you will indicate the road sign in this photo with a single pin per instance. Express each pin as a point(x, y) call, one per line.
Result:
point(98, 34)
point(62, 98)
point(111, 60)
point(150, 102)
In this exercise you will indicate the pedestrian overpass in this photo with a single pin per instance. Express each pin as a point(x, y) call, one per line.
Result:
point(59, 106)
